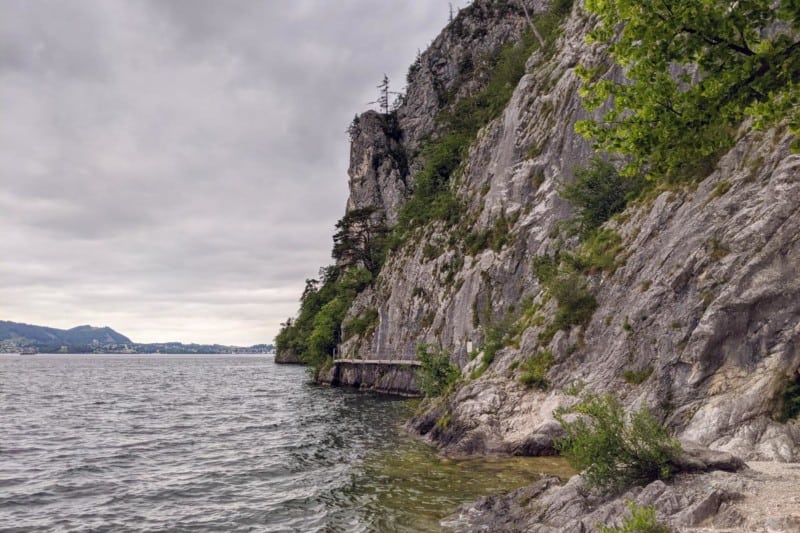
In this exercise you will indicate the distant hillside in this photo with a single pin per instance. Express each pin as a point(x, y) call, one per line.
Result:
point(15, 336)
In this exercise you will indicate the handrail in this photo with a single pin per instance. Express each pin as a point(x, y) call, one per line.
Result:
point(401, 362)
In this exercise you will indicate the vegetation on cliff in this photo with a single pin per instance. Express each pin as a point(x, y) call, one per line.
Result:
point(641, 520)
point(359, 246)
point(437, 374)
point(695, 70)
point(790, 400)
point(433, 197)
point(362, 239)
point(614, 449)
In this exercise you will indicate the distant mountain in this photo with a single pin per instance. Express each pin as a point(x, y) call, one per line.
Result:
point(15, 334)
point(15, 337)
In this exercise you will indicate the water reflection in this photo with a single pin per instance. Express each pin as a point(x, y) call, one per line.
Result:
point(407, 487)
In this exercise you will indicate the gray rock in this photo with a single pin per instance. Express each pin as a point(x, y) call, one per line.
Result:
point(706, 296)
point(707, 293)
point(548, 506)
point(287, 357)
point(709, 285)
point(697, 458)
point(378, 166)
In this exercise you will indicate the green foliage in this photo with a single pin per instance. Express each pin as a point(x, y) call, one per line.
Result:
point(430, 251)
point(534, 369)
point(719, 189)
point(317, 330)
point(496, 338)
point(642, 520)
point(359, 245)
point(790, 401)
point(636, 377)
point(360, 239)
point(717, 250)
point(294, 333)
point(576, 303)
point(598, 192)
point(495, 237)
point(364, 323)
point(734, 60)
point(597, 253)
point(437, 374)
point(614, 450)
point(325, 335)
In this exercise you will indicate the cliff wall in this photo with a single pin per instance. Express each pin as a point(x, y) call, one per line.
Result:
point(704, 302)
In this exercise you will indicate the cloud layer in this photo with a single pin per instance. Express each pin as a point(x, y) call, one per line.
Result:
point(173, 169)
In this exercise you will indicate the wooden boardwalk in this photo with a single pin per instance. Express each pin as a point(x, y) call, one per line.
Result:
point(395, 362)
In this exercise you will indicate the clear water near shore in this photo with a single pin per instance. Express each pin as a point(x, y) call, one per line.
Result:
point(218, 443)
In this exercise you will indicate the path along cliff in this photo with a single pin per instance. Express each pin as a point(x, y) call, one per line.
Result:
point(692, 292)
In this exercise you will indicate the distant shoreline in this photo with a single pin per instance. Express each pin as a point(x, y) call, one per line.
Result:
point(39, 354)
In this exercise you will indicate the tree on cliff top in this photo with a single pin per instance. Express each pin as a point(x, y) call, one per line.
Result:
point(360, 239)
point(695, 69)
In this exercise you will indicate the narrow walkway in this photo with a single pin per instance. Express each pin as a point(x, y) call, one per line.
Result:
point(397, 362)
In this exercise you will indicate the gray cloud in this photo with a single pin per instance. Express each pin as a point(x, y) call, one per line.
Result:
point(174, 168)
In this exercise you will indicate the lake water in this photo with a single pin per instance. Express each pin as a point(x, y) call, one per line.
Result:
point(218, 443)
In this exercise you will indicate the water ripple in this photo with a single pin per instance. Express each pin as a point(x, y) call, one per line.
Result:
point(181, 443)
point(201, 444)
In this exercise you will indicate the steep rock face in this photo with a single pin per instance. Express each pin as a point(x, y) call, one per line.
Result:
point(706, 298)
point(378, 166)
point(454, 65)
point(384, 148)
point(448, 299)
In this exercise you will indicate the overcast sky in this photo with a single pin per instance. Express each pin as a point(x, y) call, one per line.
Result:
point(173, 168)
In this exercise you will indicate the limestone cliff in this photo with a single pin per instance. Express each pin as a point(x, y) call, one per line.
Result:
point(704, 304)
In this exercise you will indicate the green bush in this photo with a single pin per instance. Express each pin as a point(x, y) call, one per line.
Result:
point(562, 279)
point(316, 332)
point(694, 72)
point(641, 520)
point(636, 377)
point(614, 450)
point(598, 252)
point(437, 374)
point(534, 369)
point(599, 192)
point(576, 303)
point(366, 322)
point(326, 333)
point(790, 401)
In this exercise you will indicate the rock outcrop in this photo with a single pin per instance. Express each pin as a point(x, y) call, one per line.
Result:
point(287, 357)
point(757, 499)
point(705, 301)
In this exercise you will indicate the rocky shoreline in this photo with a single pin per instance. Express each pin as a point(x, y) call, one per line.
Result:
point(758, 497)
point(689, 304)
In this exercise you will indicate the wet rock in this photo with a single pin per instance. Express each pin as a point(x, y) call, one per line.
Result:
point(287, 357)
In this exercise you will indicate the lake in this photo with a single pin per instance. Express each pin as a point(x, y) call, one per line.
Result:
point(219, 443)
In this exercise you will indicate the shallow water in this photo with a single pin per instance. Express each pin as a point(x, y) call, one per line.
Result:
point(218, 443)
